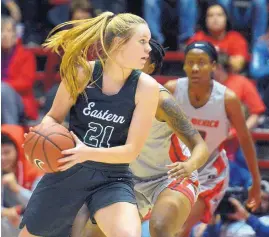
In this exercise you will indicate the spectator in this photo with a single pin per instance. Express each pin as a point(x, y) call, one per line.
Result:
point(216, 29)
point(17, 76)
point(10, 7)
point(259, 65)
point(19, 178)
point(248, 95)
point(186, 11)
point(241, 223)
point(80, 10)
point(115, 6)
point(36, 26)
point(76, 10)
point(243, 88)
point(248, 224)
point(248, 14)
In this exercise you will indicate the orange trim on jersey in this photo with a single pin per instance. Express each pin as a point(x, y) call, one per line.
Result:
point(181, 186)
point(219, 165)
point(147, 216)
point(175, 151)
point(208, 195)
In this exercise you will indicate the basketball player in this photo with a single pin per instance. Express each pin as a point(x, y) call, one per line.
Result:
point(112, 109)
point(170, 198)
point(212, 108)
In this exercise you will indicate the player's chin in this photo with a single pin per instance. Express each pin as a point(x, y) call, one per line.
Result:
point(141, 64)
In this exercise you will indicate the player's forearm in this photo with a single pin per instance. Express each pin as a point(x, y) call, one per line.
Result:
point(115, 155)
point(199, 156)
point(251, 158)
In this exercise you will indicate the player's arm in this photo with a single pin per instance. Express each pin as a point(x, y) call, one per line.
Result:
point(170, 112)
point(60, 107)
point(171, 86)
point(236, 117)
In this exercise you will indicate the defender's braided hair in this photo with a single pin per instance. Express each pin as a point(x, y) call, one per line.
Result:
point(156, 55)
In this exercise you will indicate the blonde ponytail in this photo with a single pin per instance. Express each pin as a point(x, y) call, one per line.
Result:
point(75, 43)
point(96, 34)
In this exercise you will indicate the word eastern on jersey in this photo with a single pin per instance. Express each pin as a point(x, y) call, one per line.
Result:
point(103, 115)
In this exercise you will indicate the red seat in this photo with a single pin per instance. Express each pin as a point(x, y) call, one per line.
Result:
point(58, 2)
point(50, 75)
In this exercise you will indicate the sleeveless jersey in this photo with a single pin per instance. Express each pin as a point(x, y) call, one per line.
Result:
point(210, 120)
point(100, 120)
point(162, 147)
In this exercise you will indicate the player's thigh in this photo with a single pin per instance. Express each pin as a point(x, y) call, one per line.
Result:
point(113, 207)
point(92, 230)
point(120, 219)
point(170, 210)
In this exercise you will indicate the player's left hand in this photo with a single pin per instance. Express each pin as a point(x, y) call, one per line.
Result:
point(254, 197)
point(179, 170)
point(74, 155)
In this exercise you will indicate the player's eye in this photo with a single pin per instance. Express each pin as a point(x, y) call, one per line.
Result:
point(143, 41)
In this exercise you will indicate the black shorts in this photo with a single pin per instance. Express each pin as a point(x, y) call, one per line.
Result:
point(58, 197)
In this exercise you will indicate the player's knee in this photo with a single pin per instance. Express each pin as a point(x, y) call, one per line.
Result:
point(159, 227)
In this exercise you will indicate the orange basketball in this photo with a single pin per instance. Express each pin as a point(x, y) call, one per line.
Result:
point(43, 146)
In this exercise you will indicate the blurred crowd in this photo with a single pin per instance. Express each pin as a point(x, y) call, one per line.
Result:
point(237, 28)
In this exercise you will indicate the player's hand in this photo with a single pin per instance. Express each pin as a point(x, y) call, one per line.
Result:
point(12, 215)
point(10, 181)
point(179, 170)
point(25, 135)
point(254, 197)
point(74, 155)
point(240, 212)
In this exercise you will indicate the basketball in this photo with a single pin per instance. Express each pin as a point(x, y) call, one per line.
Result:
point(43, 146)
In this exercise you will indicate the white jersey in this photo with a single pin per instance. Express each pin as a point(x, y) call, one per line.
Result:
point(210, 120)
point(161, 148)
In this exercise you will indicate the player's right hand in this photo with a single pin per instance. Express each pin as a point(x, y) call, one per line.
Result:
point(179, 170)
point(25, 135)
point(254, 197)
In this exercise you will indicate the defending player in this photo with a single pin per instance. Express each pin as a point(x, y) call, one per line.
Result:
point(212, 108)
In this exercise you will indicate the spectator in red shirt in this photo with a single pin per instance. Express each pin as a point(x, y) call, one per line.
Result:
point(243, 88)
point(17, 76)
point(250, 98)
point(19, 178)
point(216, 29)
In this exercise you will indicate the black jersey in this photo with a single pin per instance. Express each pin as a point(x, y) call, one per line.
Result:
point(100, 120)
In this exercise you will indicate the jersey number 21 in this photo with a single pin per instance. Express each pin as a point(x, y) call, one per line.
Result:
point(98, 136)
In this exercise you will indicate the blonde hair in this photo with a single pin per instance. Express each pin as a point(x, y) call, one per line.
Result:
point(96, 34)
